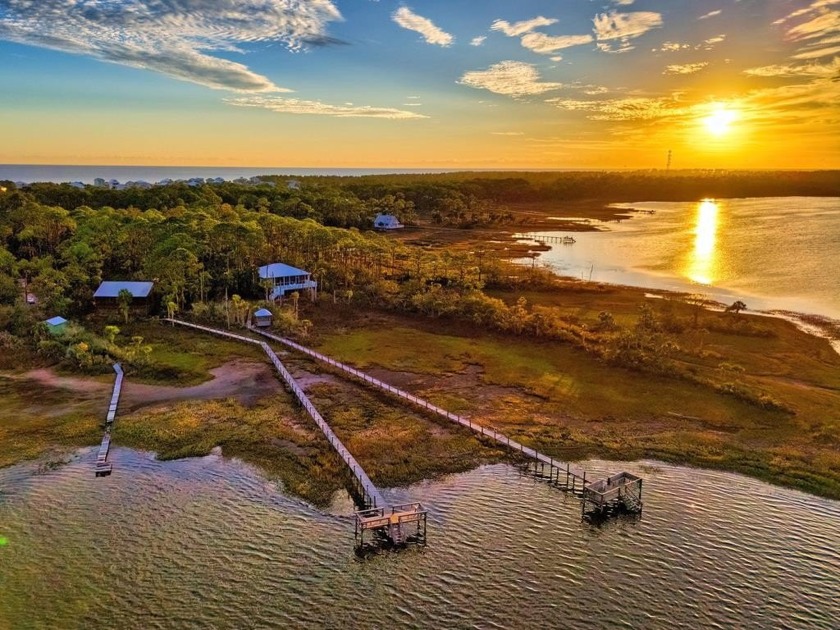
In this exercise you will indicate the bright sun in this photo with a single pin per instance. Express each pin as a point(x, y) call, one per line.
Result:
point(720, 120)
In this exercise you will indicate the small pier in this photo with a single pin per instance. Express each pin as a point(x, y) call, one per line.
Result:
point(559, 474)
point(549, 238)
point(388, 524)
point(406, 523)
point(613, 495)
point(103, 466)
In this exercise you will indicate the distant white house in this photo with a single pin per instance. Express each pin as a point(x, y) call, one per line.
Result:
point(293, 184)
point(286, 279)
point(79, 185)
point(387, 222)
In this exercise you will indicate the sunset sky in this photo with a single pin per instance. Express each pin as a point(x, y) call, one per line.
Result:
point(430, 83)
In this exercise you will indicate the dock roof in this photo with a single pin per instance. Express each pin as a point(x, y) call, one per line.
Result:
point(280, 270)
point(112, 288)
point(263, 312)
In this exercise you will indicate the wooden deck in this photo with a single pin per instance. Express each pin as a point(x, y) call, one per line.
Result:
point(103, 466)
point(560, 474)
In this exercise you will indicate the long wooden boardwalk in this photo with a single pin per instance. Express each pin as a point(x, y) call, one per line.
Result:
point(500, 438)
point(103, 466)
point(371, 497)
point(625, 489)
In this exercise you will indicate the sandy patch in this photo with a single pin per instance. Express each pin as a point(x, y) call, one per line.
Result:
point(247, 381)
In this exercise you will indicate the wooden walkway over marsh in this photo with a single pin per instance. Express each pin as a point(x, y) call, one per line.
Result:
point(557, 473)
point(370, 496)
point(103, 466)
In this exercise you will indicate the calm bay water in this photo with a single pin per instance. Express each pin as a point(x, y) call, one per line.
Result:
point(772, 253)
point(210, 543)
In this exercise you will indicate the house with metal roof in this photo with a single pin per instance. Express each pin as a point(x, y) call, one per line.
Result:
point(111, 289)
point(286, 279)
point(108, 293)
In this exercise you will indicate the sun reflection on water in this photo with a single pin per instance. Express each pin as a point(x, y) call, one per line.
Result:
point(703, 260)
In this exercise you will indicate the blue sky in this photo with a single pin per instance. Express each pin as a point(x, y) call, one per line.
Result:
point(528, 83)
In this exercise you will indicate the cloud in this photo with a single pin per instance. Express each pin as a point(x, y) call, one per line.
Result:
point(672, 47)
point(710, 14)
point(816, 28)
point(709, 43)
point(547, 44)
point(478, 41)
point(829, 69)
point(508, 133)
point(172, 37)
point(409, 20)
point(512, 78)
point(539, 43)
point(685, 68)
point(636, 108)
point(520, 28)
point(623, 27)
point(297, 106)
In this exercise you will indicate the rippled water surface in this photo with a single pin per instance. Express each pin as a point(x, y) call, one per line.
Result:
point(773, 253)
point(210, 543)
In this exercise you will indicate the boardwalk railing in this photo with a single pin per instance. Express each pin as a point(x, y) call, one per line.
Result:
point(574, 479)
point(371, 496)
point(103, 466)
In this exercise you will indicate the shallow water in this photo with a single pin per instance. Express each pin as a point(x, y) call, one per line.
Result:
point(772, 253)
point(210, 543)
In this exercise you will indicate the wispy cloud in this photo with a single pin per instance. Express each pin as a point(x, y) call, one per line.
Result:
point(829, 69)
point(518, 29)
point(172, 37)
point(635, 108)
point(547, 44)
point(512, 78)
point(297, 106)
point(540, 43)
point(623, 27)
point(672, 47)
point(710, 14)
point(433, 34)
point(478, 41)
point(685, 68)
point(508, 133)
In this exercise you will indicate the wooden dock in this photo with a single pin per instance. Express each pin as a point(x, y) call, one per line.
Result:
point(549, 238)
point(558, 473)
point(368, 496)
point(103, 466)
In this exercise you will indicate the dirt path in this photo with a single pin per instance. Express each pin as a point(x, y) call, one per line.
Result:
point(247, 381)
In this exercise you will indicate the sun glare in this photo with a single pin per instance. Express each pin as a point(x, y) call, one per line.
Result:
point(720, 120)
point(703, 258)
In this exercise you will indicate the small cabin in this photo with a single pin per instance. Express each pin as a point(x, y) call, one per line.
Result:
point(387, 222)
point(107, 295)
point(56, 325)
point(284, 279)
point(263, 318)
